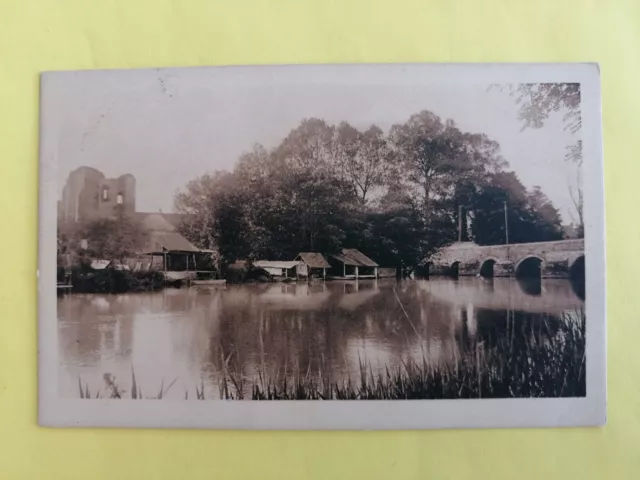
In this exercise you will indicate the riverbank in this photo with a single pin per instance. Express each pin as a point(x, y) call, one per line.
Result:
point(115, 281)
point(125, 281)
point(528, 362)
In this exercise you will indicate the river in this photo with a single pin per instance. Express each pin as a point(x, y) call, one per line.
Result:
point(189, 336)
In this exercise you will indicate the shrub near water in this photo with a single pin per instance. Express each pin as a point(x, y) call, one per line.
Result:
point(116, 281)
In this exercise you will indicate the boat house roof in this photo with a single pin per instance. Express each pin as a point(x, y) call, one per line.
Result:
point(162, 241)
point(276, 264)
point(314, 260)
point(162, 234)
point(351, 256)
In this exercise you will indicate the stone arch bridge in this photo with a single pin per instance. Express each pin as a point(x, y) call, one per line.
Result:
point(559, 259)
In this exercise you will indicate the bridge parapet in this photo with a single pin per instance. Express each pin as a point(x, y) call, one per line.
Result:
point(554, 259)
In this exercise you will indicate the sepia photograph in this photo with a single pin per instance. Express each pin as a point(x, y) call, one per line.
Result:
point(374, 246)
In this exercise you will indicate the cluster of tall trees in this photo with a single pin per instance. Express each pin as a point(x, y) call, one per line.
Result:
point(396, 196)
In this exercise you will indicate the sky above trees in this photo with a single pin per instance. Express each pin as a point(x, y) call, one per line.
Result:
point(169, 128)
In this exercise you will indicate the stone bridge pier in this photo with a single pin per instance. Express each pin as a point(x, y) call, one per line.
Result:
point(559, 259)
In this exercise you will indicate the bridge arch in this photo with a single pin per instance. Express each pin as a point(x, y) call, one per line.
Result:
point(577, 276)
point(577, 269)
point(487, 267)
point(454, 269)
point(425, 269)
point(529, 267)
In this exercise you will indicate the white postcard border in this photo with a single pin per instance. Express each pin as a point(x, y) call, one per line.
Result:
point(55, 411)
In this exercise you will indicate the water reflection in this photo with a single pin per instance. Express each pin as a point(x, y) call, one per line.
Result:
point(531, 285)
point(193, 335)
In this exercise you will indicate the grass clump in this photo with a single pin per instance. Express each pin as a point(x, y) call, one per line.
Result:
point(549, 362)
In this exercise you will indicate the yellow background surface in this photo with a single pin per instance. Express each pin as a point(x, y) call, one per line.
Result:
point(37, 35)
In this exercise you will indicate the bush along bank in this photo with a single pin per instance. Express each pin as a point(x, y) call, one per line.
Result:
point(110, 280)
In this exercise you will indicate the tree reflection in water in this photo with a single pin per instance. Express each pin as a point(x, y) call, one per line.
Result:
point(326, 329)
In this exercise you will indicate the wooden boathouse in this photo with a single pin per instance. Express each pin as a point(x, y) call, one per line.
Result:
point(169, 251)
point(351, 263)
point(278, 268)
point(312, 264)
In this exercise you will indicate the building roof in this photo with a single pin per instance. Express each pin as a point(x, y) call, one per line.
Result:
point(346, 260)
point(314, 260)
point(359, 256)
point(276, 264)
point(351, 256)
point(97, 264)
point(163, 236)
point(160, 241)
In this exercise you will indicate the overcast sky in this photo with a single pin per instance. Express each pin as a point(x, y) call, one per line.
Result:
point(169, 127)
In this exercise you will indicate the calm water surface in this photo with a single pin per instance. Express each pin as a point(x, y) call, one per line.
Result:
point(190, 334)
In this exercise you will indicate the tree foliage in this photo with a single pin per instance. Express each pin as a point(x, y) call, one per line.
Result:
point(111, 238)
point(397, 197)
point(364, 159)
point(539, 100)
point(530, 216)
point(195, 200)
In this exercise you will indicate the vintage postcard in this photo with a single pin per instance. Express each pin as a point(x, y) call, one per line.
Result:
point(322, 247)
